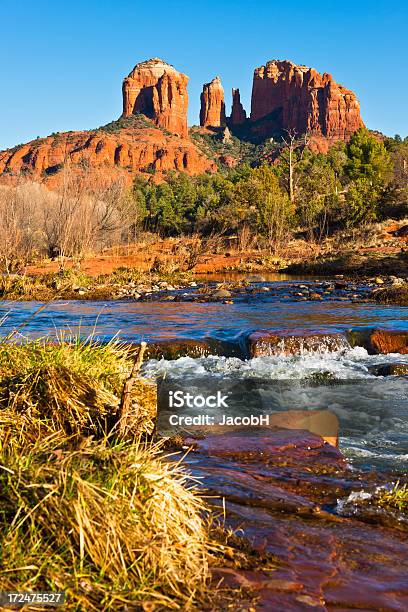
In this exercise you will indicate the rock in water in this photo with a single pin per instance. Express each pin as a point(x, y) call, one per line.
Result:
point(266, 343)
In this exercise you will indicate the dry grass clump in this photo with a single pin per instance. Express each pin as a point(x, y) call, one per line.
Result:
point(14, 287)
point(69, 387)
point(84, 507)
point(109, 524)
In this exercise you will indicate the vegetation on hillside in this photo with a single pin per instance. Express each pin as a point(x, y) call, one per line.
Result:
point(284, 189)
point(220, 144)
point(137, 121)
point(352, 184)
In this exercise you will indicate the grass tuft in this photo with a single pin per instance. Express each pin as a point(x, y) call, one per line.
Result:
point(84, 508)
point(69, 387)
point(395, 498)
point(109, 524)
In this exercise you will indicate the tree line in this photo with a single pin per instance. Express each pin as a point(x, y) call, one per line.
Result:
point(353, 184)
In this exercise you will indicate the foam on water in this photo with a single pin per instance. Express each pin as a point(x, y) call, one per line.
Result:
point(349, 364)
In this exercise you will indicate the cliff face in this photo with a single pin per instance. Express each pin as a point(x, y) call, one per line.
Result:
point(238, 114)
point(122, 152)
point(158, 91)
point(284, 97)
point(212, 112)
point(290, 97)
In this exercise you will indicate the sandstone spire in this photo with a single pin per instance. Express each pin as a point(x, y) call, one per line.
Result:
point(238, 114)
point(159, 91)
point(212, 113)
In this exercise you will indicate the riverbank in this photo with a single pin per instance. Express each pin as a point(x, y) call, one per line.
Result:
point(371, 250)
point(90, 505)
point(128, 285)
point(162, 268)
point(354, 264)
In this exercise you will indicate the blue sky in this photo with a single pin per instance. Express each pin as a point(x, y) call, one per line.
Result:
point(63, 62)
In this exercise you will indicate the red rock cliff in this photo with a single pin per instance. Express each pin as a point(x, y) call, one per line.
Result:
point(212, 112)
point(131, 145)
point(124, 151)
point(238, 114)
point(290, 97)
point(157, 90)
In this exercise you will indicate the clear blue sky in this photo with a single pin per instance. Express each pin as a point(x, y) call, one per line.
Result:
point(63, 62)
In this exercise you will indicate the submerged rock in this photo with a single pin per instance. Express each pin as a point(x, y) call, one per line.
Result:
point(279, 491)
point(275, 445)
point(389, 369)
point(222, 293)
point(173, 349)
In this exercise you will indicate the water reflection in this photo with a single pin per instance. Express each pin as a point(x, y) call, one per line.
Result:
point(158, 320)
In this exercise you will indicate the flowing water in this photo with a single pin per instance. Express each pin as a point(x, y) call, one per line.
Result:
point(380, 400)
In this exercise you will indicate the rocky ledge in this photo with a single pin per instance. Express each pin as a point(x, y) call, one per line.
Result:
point(294, 500)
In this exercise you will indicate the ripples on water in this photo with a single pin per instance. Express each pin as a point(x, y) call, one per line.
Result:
point(157, 320)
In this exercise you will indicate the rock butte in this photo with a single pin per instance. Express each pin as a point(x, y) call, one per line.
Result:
point(290, 97)
point(238, 113)
point(155, 89)
point(159, 143)
point(287, 97)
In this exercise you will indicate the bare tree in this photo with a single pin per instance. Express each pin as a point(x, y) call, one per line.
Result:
point(290, 145)
point(84, 215)
point(19, 231)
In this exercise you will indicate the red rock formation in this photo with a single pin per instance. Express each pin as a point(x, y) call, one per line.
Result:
point(157, 90)
point(126, 147)
point(380, 341)
point(290, 97)
point(238, 113)
point(125, 151)
point(212, 112)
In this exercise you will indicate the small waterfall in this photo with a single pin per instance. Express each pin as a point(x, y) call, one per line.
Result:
point(267, 344)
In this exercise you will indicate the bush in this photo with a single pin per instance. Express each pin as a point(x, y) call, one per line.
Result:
point(70, 388)
point(362, 203)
